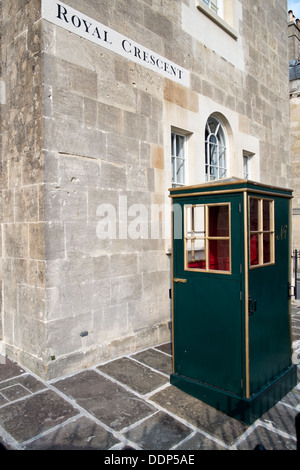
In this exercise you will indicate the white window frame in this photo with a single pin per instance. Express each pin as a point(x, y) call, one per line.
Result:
point(225, 16)
point(221, 149)
point(216, 6)
point(177, 159)
point(247, 157)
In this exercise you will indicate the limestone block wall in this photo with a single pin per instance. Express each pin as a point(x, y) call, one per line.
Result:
point(22, 182)
point(294, 42)
point(269, 109)
point(86, 149)
point(103, 145)
point(295, 149)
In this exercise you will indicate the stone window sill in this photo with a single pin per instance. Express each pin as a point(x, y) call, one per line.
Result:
point(216, 19)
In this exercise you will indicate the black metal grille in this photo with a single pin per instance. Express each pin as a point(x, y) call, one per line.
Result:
point(296, 266)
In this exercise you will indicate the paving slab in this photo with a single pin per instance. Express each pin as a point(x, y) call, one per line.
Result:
point(81, 434)
point(20, 386)
point(200, 414)
point(281, 417)
point(9, 369)
point(199, 441)
point(3, 400)
point(156, 359)
point(14, 392)
point(104, 399)
point(292, 398)
point(136, 376)
point(270, 440)
point(166, 348)
point(159, 432)
point(24, 419)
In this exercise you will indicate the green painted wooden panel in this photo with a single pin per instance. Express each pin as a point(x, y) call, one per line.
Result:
point(208, 312)
point(269, 326)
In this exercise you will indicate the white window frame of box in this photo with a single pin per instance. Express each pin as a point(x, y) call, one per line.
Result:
point(176, 158)
point(218, 18)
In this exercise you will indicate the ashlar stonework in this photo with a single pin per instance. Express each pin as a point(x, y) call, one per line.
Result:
point(86, 132)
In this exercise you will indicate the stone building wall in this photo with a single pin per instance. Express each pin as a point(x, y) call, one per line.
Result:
point(295, 152)
point(294, 55)
point(22, 181)
point(86, 133)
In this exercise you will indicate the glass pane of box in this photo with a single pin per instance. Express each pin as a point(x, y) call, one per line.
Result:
point(219, 255)
point(253, 214)
point(195, 237)
point(195, 254)
point(266, 215)
point(195, 221)
point(188, 221)
point(254, 249)
point(267, 247)
point(218, 217)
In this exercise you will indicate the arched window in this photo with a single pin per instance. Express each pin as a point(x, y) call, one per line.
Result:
point(215, 150)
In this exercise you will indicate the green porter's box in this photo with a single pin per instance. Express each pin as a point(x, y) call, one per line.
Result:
point(232, 345)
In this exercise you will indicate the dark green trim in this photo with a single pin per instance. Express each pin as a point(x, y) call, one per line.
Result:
point(237, 407)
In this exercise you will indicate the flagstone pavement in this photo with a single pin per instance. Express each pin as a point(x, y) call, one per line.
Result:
point(128, 403)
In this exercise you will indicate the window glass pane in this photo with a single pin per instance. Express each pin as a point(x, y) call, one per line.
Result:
point(195, 254)
point(218, 217)
point(195, 226)
point(253, 215)
point(173, 144)
point(195, 237)
point(267, 247)
point(213, 173)
point(214, 5)
point(246, 167)
point(199, 224)
point(180, 171)
point(188, 222)
point(179, 146)
point(219, 255)
point(222, 173)
point(254, 250)
point(261, 232)
point(173, 168)
point(178, 158)
point(213, 153)
point(212, 124)
point(222, 161)
point(213, 139)
point(220, 135)
point(266, 215)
